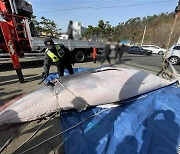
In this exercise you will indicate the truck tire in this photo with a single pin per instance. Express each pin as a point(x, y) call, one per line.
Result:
point(174, 60)
point(80, 56)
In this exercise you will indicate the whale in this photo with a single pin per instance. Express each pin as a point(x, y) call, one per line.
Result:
point(80, 91)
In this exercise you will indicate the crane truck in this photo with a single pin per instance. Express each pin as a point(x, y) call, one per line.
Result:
point(16, 39)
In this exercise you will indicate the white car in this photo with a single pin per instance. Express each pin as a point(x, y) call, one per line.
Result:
point(173, 54)
point(155, 49)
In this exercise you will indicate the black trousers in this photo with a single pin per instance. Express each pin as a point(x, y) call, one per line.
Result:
point(106, 57)
point(61, 68)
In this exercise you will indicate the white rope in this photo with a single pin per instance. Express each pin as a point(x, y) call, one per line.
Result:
point(165, 62)
point(12, 137)
point(36, 131)
point(64, 131)
point(86, 105)
point(170, 36)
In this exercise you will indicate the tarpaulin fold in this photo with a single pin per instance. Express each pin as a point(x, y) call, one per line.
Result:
point(148, 124)
point(145, 124)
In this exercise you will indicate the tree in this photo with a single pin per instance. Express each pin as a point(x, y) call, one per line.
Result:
point(49, 26)
point(89, 33)
point(158, 30)
point(35, 27)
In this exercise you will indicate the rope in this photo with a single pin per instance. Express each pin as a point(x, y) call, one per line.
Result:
point(165, 63)
point(170, 36)
point(64, 131)
point(65, 87)
point(60, 145)
point(12, 137)
point(81, 100)
point(36, 131)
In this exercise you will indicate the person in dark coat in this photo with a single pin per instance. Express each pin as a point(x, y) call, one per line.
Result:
point(58, 55)
point(107, 52)
point(70, 30)
point(117, 52)
point(123, 48)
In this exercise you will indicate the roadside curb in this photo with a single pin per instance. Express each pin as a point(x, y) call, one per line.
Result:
point(142, 67)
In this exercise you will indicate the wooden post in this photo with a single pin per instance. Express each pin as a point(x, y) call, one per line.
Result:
point(143, 36)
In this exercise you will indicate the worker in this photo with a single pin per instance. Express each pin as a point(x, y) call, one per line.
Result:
point(177, 9)
point(107, 52)
point(58, 55)
point(94, 54)
point(70, 30)
point(117, 52)
point(123, 48)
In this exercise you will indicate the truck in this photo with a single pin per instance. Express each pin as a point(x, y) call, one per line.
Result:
point(16, 37)
point(79, 48)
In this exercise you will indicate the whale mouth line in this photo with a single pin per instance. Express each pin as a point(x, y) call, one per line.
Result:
point(13, 100)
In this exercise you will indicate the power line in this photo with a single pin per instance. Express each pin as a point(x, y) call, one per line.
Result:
point(74, 3)
point(100, 3)
point(105, 7)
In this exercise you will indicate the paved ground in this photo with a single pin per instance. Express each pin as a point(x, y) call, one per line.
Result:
point(10, 87)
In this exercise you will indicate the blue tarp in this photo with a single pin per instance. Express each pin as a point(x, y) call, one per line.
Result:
point(149, 123)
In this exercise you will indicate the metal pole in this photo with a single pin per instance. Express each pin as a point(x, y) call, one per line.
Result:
point(12, 6)
point(170, 36)
point(178, 42)
point(143, 36)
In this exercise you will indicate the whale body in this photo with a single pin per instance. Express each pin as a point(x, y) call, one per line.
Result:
point(79, 91)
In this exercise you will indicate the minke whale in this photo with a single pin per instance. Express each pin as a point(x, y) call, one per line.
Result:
point(79, 91)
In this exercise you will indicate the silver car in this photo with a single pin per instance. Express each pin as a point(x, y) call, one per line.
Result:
point(155, 49)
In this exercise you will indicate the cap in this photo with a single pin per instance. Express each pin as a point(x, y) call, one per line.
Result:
point(49, 43)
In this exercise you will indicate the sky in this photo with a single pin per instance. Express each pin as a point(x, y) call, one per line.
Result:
point(89, 12)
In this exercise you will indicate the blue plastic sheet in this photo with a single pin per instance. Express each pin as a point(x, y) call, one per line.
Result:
point(53, 76)
point(147, 124)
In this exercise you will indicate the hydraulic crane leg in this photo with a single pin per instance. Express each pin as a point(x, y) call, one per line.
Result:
point(15, 61)
point(20, 75)
point(11, 46)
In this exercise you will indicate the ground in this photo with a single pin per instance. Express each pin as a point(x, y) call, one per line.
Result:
point(10, 87)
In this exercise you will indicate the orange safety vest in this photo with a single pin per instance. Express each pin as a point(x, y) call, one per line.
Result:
point(94, 54)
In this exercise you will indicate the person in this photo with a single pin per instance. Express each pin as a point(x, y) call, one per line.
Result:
point(94, 54)
point(107, 52)
point(123, 48)
point(58, 55)
point(117, 52)
point(70, 30)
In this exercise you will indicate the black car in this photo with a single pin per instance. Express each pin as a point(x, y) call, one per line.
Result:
point(139, 50)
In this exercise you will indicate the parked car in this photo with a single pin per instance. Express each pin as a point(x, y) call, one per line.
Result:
point(139, 50)
point(155, 49)
point(174, 54)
